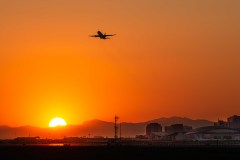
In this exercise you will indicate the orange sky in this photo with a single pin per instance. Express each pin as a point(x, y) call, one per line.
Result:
point(169, 58)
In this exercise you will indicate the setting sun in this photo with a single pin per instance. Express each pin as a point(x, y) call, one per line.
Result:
point(55, 122)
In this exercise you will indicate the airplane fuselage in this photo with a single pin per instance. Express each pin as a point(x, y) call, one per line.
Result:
point(102, 36)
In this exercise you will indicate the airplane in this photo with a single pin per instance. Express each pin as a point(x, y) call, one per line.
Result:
point(102, 36)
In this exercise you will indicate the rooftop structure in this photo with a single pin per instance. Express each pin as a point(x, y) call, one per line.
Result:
point(151, 128)
point(214, 133)
point(234, 121)
point(177, 128)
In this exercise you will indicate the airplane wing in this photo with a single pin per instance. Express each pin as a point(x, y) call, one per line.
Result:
point(94, 36)
point(110, 35)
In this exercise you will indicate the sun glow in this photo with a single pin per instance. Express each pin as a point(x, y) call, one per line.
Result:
point(56, 122)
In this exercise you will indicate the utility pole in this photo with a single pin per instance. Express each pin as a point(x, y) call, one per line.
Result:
point(120, 127)
point(116, 127)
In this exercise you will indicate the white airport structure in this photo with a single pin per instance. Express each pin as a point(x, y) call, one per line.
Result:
point(220, 131)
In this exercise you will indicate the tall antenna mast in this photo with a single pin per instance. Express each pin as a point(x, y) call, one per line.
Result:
point(120, 127)
point(116, 127)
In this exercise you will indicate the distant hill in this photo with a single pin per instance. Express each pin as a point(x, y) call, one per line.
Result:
point(186, 121)
point(131, 129)
point(95, 128)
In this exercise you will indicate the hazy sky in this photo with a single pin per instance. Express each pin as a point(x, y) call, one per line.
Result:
point(169, 58)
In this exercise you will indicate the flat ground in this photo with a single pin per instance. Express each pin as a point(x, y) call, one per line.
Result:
point(116, 153)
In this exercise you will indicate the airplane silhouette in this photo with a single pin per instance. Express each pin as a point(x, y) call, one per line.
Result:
point(102, 36)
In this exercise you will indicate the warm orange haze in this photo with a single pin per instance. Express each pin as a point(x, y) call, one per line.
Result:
point(169, 58)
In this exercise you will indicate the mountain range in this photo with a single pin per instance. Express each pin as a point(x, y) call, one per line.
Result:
point(95, 128)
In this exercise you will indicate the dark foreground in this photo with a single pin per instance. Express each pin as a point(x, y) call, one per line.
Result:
point(117, 153)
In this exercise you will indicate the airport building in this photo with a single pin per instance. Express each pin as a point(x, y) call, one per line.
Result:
point(199, 134)
point(164, 136)
point(221, 123)
point(232, 122)
point(177, 128)
point(153, 128)
point(213, 133)
point(221, 131)
point(172, 133)
point(26, 140)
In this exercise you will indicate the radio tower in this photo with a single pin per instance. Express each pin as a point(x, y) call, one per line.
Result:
point(116, 127)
